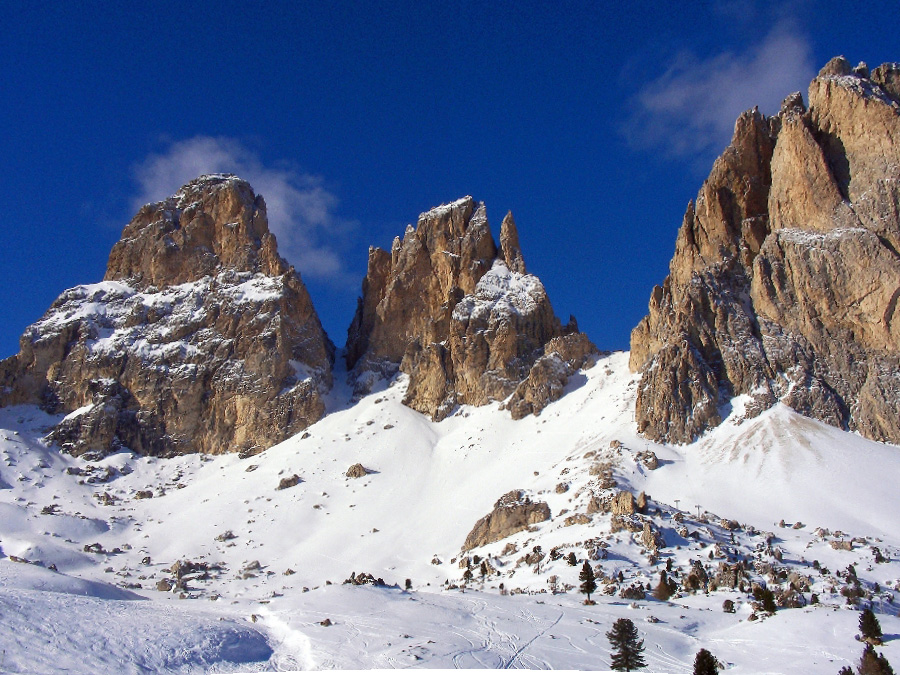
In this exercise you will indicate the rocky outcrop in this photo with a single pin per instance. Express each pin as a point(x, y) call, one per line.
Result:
point(786, 274)
point(512, 513)
point(357, 471)
point(200, 338)
point(464, 320)
point(547, 379)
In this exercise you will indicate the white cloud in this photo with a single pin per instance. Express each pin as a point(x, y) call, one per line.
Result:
point(300, 208)
point(691, 109)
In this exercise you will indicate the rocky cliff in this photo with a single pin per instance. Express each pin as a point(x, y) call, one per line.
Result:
point(463, 318)
point(786, 274)
point(200, 338)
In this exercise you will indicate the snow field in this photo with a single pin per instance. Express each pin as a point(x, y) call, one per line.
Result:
point(429, 484)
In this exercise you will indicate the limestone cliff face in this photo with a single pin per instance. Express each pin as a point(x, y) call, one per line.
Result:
point(464, 320)
point(200, 338)
point(786, 274)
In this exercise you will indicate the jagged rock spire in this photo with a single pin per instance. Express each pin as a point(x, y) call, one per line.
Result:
point(509, 245)
point(462, 319)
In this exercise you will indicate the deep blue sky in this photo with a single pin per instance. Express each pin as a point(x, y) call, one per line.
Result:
point(593, 122)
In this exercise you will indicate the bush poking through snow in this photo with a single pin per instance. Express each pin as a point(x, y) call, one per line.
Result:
point(289, 482)
point(664, 589)
point(766, 599)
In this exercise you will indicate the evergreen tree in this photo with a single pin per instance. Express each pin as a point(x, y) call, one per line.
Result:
point(586, 576)
point(483, 569)
point(627, 649)
point(869, 627)
point(467, 575)
point(871, 663)
point(846, 670)
point(705, 663)
point(571, 559)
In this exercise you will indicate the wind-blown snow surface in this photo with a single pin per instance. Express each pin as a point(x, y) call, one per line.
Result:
point(270, 554)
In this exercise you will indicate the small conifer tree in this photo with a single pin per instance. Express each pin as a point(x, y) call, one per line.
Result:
point(571, 559)
point(871, 663)
point(483, 569)
point(705, 663)
point(627, 649)
point(663, 590)
point(588, 583)
point(869, 627)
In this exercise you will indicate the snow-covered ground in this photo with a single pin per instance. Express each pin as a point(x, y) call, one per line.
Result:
point(262, 567)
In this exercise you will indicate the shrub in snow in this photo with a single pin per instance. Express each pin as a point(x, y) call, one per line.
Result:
point(289, 482)
point(664, 589)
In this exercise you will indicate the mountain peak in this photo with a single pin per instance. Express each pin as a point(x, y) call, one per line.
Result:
point(462, 319)
point(200, 338)
point(785, 278)
point(212, 223)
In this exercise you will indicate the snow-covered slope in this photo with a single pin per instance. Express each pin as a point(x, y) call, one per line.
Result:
point(273, 560)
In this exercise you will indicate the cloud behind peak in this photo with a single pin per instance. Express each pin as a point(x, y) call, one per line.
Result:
point(301, 210)
point(690, 110)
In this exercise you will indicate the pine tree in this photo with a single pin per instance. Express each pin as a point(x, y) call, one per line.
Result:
point(871, 663)
point(483, 569)
point(586, 576)
point(705, 663)
point(869, 627)
point(627, 649)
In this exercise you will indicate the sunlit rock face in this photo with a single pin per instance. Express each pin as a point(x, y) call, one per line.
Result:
point(459, 314)
point(786, 274)
point(199, 339)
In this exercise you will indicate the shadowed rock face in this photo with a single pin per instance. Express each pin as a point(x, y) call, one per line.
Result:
point(786, 274)
point(200, 338)
point(461, 317)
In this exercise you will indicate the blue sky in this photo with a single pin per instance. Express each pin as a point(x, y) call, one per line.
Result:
point(594, 122)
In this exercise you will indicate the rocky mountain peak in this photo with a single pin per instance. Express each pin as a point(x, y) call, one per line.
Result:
point(200, 338)
point(214, 222)
point(785, 278)
point(463, 319)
